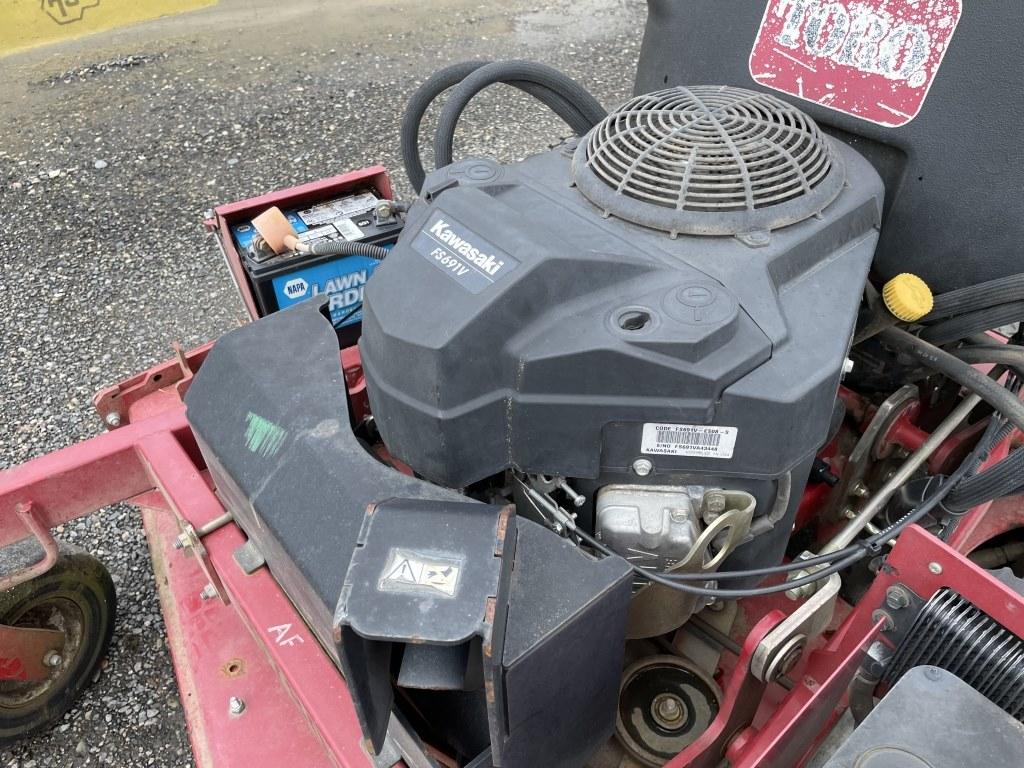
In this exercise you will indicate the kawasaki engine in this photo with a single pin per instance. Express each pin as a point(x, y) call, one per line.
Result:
point(645, 327)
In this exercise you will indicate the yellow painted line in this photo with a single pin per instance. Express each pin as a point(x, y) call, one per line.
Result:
point(30, 23)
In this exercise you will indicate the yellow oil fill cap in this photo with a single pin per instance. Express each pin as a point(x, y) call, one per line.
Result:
point(908, 297)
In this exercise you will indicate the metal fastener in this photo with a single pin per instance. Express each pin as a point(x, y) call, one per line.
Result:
point(896, 597)
point(53, 659)
point(935, 568)
point(860, 490)
point(236, 706)
point(209, 592)
point(643, 467)
point(113, 419)
point(881, 616)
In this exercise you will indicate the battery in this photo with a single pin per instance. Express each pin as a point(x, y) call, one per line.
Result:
point(281, 280)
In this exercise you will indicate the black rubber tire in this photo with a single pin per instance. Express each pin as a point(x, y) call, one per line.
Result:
point(79, 587)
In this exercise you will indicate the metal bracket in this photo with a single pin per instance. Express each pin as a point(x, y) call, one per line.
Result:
point(743, 694)
point(190, 540)
point(249, 558)
point(860, 457)
point(24, 652)
point(781, 648)
point(657, 609)
point(46, 541)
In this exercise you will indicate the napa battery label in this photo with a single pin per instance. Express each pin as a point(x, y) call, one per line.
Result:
point(342, 280)
point(461, 254)
point(688, 440)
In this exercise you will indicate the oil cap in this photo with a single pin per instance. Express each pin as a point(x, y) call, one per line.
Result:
point(908, 297)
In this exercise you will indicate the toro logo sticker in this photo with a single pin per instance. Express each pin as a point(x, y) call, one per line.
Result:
point(873, 59)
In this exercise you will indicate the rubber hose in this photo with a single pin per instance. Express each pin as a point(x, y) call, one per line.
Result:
point(1003, 479)
point(1010, 355)
point(1002, 290)
point(973, 322)
point(549, 78)
point(346, 248)
point(931, 356)
point(441, 81)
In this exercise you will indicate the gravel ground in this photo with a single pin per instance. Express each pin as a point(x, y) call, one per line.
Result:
point(112, 147)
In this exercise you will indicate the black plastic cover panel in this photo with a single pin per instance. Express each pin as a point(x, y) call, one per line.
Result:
point(932, 718)
point(564, 645)
point(954, 210)
point(270, 412)
point(427, 585)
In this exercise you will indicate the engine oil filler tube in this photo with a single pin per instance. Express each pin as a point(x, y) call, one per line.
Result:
point(953, 634)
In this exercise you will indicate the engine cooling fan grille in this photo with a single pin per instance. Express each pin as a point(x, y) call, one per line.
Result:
point(708, 160)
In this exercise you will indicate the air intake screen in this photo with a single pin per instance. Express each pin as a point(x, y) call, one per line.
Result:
point(708, 160)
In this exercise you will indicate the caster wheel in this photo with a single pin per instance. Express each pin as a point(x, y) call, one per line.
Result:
point(76, 597)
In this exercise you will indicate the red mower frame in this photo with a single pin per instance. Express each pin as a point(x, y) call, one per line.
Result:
point(256, 687)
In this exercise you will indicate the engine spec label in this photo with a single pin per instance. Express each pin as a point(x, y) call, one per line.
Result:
point(873, 59)
point(461, 254)
point(688, 440)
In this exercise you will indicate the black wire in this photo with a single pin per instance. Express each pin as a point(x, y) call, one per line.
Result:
point(727, 594)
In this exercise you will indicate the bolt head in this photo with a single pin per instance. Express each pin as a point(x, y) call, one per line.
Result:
point(643, 467)
point(53, 659)
point(668, 710)
point(860, 490)
point(935, 568)
point(209, 592)
point(236, 706)
point(887, 623)
point(896, 597)
point(113, 419)
point(714, 502)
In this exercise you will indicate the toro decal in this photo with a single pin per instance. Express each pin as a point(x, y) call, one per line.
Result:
point(873, 59)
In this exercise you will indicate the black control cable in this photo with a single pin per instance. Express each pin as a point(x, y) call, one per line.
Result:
point(832, 562)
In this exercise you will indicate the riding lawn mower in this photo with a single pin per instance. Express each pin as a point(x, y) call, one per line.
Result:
point(691, 440)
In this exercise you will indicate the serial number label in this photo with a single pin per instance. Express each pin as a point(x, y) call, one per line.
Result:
point(688, 440)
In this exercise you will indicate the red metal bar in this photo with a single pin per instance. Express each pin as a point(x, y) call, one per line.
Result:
point(81, 478)
point(217, 659)
point(311, 718)
point(804, 718)
point(44, 538)
point(316, 682)
point(24, 651)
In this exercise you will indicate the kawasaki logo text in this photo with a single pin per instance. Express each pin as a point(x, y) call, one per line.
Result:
point(484, 261)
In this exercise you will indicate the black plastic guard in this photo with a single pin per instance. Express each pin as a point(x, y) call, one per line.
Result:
point(270, 412)
point(427, 586)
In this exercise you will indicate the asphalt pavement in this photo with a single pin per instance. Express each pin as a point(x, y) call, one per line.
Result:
point(111, 149)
